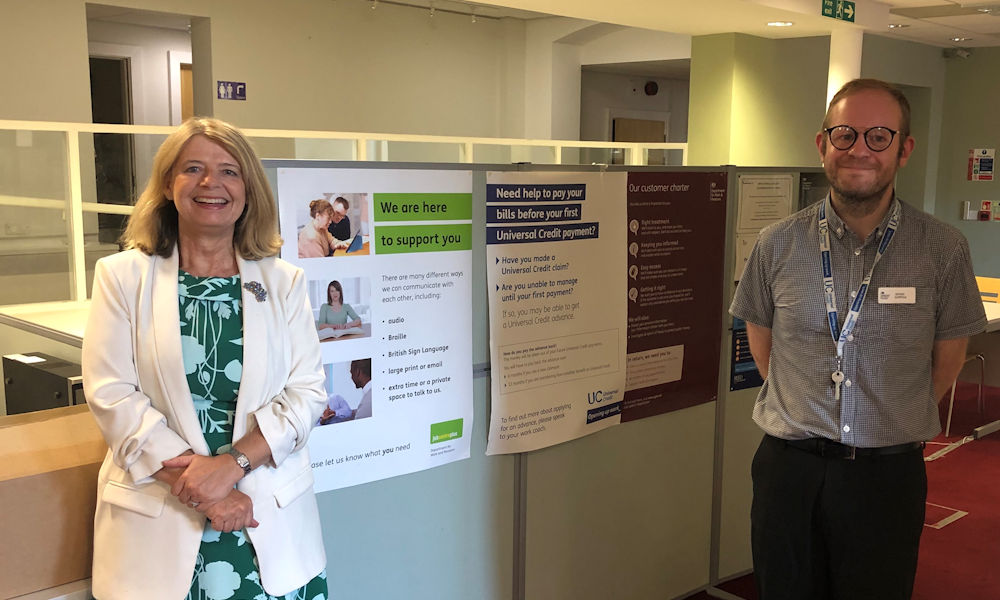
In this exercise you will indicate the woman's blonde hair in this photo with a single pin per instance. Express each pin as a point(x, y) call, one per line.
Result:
point(152, 227)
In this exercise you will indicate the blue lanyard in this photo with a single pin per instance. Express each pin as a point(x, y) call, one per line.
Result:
point(831, 299)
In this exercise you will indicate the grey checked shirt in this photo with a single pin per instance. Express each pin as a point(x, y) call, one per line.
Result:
point(887, 397)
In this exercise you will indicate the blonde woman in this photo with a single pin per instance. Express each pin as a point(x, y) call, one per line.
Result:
point(202, 368)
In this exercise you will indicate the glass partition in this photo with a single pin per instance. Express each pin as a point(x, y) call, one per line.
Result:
point(275, 147)
point(324, 149)
point(114, 169)
point(419, 152)
point(600, 156)
point(34, 256)
point(673, 157)
point(47, 238)
point(506, 153)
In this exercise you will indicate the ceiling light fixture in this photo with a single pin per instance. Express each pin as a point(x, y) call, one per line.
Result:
point(960, 39)
point(432, 8)
point(897, 25)
point(373, 4)
point(780, 24)
point(986, 10)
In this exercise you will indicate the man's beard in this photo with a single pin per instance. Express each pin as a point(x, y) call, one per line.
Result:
point(860, 203)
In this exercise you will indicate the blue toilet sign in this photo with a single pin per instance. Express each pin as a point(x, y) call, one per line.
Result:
point(231, 90)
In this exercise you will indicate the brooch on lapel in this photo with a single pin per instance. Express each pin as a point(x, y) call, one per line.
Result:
point(255, 288)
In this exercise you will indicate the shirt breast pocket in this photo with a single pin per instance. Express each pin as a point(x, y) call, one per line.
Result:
point(904, 323)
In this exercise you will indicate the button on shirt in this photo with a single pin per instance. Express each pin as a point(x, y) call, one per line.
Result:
point(887, 396)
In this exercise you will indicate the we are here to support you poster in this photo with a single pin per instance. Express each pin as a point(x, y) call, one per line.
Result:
point(388, 269)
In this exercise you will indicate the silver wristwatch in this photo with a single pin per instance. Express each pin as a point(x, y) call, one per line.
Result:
point(241, 460)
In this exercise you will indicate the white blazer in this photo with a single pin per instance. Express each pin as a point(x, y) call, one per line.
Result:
point(145, 541)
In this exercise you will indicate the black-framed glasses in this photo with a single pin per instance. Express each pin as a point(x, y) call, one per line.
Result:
point(876, 138)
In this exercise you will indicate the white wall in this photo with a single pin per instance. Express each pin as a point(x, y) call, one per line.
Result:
point(565, 108)
point(605, 93)
point(917, 66)
point(45, 72)
point(558, 47)
point(541, 93)
point(628, 44)
point(307, 65)
point(331, 65)
point(341, 66)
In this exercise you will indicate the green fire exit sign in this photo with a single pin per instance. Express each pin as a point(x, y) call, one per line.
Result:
point(839, 9)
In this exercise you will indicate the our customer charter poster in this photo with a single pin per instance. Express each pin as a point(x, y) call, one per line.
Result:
point(676, 233)
point(387, 259)
point(555, 248)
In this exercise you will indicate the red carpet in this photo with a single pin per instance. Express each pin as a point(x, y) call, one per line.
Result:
point(960, 559)
point(966, 415)
point(959, 554)
point(742, 587)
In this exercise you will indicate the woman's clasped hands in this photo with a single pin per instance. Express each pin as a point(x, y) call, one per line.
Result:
point(207, 485)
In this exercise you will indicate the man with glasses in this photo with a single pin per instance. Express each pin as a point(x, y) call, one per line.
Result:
point(858, 312)
point(340, 223)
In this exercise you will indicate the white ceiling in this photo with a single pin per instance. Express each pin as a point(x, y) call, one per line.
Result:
point(659, 69)
point(130, 16)
point(933, 22)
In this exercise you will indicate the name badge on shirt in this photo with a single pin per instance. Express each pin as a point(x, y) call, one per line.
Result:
point(897, 295)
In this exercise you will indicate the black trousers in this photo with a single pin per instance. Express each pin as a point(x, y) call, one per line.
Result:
point(835, 529)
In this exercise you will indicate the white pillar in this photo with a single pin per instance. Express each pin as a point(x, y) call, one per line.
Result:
point(845, 58)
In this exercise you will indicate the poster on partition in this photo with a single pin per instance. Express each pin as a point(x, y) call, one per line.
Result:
point(743, 372)
point(555, 246)
point(676, 250)
point(387, 259)
point(763, 199)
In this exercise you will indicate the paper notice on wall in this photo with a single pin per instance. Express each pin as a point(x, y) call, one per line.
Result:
point(763, 199)
point(981, 164)
point(387, 259)
point(555, 252)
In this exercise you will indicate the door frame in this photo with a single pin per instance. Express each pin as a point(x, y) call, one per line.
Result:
point(176, 59)
point(134, 54)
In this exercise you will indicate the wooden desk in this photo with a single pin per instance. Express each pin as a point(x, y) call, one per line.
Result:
point(987, 344)
point(992, 316)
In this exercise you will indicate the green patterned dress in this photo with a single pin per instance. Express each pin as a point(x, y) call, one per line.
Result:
point(212, 348)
